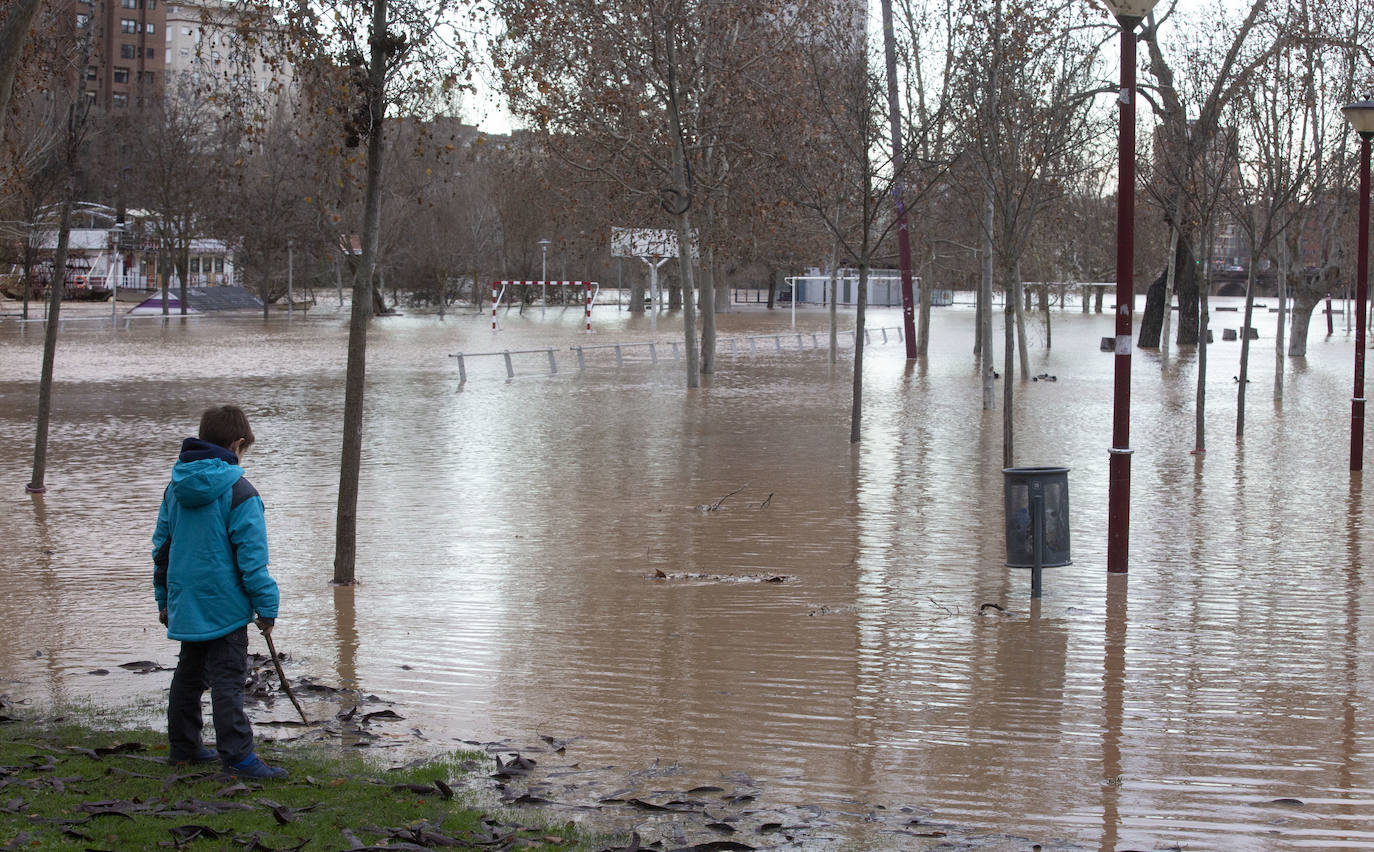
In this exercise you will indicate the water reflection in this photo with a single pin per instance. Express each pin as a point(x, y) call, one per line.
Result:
point(1113, 707)
point(510, 533)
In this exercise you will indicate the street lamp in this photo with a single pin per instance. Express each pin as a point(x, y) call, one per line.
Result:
point(544, 275)
point(1128, 14)
point(1360, 114)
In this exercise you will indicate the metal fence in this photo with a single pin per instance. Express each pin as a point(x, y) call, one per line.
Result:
point(630, 352)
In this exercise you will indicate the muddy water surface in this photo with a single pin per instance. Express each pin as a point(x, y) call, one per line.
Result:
point(511, 531)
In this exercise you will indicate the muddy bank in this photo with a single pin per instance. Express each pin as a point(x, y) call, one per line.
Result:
point(657, 805)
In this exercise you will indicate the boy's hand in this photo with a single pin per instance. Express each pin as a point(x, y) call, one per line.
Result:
point(162, 617)
point(265, 624)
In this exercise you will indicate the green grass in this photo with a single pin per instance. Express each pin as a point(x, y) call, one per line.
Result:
point(67, 785)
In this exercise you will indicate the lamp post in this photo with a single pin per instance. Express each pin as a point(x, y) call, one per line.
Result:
point(1128, 14)
point(1360, 114)
point(544, 275)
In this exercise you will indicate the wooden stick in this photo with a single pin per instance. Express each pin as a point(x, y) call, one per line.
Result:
point(272, 649)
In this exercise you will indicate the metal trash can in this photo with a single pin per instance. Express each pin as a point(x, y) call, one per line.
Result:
point(1037, 519)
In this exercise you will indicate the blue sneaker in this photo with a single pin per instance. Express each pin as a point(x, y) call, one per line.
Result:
point(253, 767)
point(204, 755)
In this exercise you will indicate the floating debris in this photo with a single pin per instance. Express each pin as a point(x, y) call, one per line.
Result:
point(689, 576)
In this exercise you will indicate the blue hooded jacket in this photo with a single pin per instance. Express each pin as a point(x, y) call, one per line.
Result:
point(210, 547)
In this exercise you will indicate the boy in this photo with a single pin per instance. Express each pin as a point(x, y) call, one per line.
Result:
point(210, 577)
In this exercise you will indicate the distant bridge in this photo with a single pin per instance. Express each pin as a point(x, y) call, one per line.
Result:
point(1233, 282)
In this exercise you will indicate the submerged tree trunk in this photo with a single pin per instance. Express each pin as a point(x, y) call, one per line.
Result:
point(350, 464)
point(923, 319)
point(985, 297)
point(28, 274)
point(636, 294)
point(1171, 273)
point(1185, 289)
point(1011, 305)
point(1306, 296)
point(708, 313)
point(856, 409)
point(1045, 310)
point(55, 289)
point(1243, 378)
point(183, 264)
point(684, 224)
point(1281, 333)
point(834, 298)
point(1021, 348)
point(1200, 407)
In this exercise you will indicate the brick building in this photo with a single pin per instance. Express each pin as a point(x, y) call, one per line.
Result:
point(127, 62)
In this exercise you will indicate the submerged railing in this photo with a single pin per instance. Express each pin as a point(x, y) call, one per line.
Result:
point(781, 342)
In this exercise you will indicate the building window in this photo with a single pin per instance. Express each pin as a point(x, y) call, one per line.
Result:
point(129, 4)
point(128, 25)
point(149, 29)
point(184, 51)
point(152, 4)
point(121, 75)
point(150, 53)
point(219, 264)
point(127, 51)
point(119, 101)
point(186, 31)
point(195, 265)
point(91, 72)
point(149, 77)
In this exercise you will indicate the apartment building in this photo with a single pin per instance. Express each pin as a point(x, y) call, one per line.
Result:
point(205, 46)
point(126, 69)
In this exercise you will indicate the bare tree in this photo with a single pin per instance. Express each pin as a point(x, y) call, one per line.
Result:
point(831, 167)
point(1028, 84)
point(413, 55)
point(74, 54)
point(657, 103)
point(1272, 181)
point(1217, 63)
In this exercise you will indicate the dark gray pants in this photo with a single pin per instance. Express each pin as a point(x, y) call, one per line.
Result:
point(221, 665)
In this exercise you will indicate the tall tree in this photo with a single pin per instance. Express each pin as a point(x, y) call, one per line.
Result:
point(180, 169)
point(74, 55)
point(831, 165)
point(1217, 64)
point(657, 102)
point(1028, 84)
point(415, 57)
point(1272, 181)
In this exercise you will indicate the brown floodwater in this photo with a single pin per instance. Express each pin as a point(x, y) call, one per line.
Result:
point(510, 532)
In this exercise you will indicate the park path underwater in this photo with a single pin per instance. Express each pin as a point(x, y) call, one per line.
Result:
point(714, 585)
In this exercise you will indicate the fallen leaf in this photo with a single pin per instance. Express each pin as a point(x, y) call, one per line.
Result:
point(187, 833)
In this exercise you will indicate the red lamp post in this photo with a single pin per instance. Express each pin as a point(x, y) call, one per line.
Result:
point(1360, 114)
point(1129, 14)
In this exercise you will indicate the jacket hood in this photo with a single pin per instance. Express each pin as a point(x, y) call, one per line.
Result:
point(203, 472)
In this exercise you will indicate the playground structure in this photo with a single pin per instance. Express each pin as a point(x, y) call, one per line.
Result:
point(654, 246)
point(591, 290)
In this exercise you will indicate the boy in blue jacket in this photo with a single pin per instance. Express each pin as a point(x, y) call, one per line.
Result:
point(210, 578)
